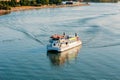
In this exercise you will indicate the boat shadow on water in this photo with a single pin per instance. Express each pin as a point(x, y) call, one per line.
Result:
point(59, 58)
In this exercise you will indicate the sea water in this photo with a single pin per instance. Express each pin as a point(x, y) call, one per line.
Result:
point(25, 34)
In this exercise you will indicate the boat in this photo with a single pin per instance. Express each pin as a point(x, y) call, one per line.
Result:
point(63, 42)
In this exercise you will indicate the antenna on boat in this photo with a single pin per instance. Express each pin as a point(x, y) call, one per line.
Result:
point(64, 33)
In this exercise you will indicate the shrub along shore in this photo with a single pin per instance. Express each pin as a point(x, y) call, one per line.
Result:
point(21, 8)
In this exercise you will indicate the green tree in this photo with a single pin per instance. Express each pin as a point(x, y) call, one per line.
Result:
point(51, 1)
point(44, 1)
point(38, 1)
point(33, 2)
point(59, 1)
point(24, 2)
point(4, 5)
point(13, 3)
point(47, 1)
point(55, 1)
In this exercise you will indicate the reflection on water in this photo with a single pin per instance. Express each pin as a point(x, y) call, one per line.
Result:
point(60, 58)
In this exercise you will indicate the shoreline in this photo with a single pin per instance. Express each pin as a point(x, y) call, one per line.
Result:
point(22, 8)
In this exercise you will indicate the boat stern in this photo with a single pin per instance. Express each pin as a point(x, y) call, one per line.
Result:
point(50, 48)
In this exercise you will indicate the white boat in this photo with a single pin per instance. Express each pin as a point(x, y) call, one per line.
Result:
point(63, 42)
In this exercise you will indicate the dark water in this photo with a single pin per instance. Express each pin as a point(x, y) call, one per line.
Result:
point(24, 36)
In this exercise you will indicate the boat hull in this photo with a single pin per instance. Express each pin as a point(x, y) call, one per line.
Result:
point(61, 49)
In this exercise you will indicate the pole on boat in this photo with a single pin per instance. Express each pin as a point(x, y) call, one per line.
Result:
point(64, 33)
point(75, 34)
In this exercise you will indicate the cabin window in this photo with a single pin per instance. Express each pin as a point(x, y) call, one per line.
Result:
point(66, 43)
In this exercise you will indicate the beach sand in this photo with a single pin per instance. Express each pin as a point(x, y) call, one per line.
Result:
point(21, 8)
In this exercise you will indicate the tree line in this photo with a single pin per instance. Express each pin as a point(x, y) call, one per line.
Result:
point(13, 3)
point(103, 1)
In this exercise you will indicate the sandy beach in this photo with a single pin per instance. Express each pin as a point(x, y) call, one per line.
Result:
point(21, 8)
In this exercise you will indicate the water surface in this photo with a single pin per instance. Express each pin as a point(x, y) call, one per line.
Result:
point(25, 34)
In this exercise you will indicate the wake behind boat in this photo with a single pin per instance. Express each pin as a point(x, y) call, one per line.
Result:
point(63, 42)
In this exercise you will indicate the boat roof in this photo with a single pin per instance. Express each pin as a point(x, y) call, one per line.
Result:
point(57, 36)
